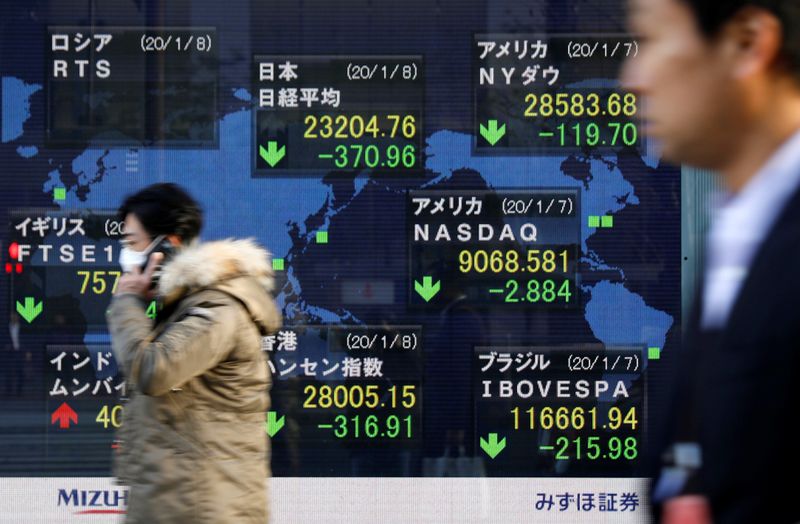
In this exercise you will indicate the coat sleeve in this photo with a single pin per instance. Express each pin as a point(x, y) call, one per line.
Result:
point(197, 340)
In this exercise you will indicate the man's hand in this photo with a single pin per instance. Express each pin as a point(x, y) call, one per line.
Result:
point(686, 509)
point(138, 282)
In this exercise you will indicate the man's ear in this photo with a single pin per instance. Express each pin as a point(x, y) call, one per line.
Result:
point(756, 36)
point(175, 240)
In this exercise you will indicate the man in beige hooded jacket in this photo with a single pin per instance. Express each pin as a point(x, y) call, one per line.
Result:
point(193, 446)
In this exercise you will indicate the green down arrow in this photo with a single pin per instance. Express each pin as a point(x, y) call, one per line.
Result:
point(427, 289)
point(493, 447)
point(492, 133)
point(30, 310)
point(273, 423)
point(272, 155)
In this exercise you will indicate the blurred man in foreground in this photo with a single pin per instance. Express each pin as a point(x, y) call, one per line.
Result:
point(719, 84)
point(193, 446)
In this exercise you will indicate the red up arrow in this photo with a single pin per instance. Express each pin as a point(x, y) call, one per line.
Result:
point(63, 415)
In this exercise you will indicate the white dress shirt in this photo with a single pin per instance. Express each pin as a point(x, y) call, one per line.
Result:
point(740, 223)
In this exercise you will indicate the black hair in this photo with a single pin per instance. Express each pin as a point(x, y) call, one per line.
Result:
point(165, 209)
point(713, 14)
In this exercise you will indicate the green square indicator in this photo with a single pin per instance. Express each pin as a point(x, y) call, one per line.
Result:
point(653, 353)
point(594, 221)
point(60, 193)
point(277, 264)
point(322, 237)
point(607, 221)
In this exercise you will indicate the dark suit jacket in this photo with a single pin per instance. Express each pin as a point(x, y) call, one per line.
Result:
point(738, 389)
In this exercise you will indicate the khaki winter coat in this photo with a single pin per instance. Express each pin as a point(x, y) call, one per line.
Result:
point(193, 446)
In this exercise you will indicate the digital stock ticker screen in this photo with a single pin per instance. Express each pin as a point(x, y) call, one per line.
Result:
point(477, 252)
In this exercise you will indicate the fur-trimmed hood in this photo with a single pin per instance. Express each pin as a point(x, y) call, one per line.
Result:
point(238, 267)
point(205, 263)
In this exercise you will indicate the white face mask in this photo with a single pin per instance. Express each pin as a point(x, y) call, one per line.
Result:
point(129, 258)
